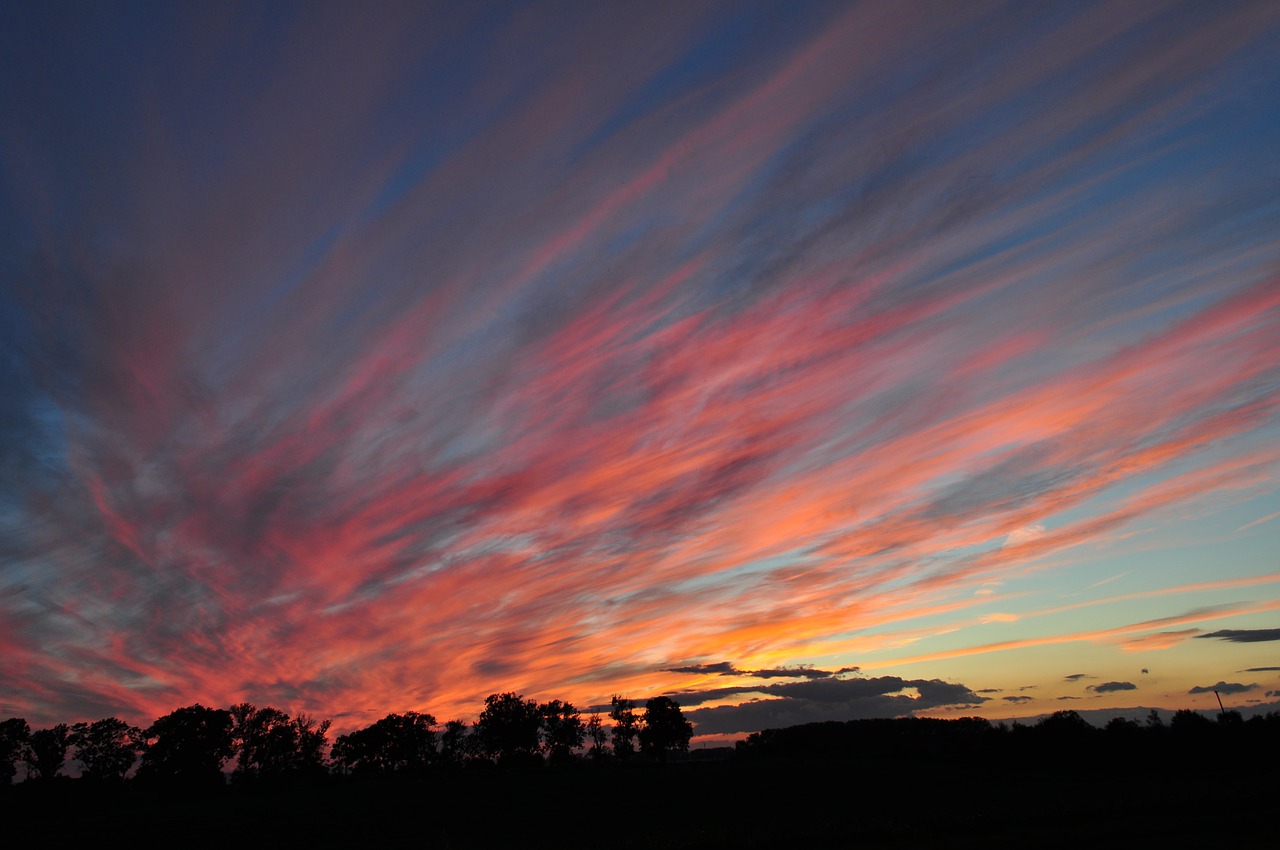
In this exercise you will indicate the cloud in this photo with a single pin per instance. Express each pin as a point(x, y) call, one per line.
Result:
point(1223, 688)
point(1260, 670)
point(725, 668)
point(720, 668)
point(1024, 535)
point(1111, 687)
point(1258, 521)
point(1117, 632)
point(789, 704)
point(791, 673)
point(1017, 699)
point(1075, 677)
point(1158, 640)
point(1244, 635)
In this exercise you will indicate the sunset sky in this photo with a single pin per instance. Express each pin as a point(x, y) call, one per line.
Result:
point(802, 361)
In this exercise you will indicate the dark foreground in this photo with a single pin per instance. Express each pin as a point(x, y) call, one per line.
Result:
point(793, 802)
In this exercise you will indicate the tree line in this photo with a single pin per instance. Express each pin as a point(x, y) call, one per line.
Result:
point(1063, 738)
point(194, 745)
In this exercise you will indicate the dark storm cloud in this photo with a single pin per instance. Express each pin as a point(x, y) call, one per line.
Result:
point(793, 673)
point(722, 668)
point(831, 699)
point(696, 698)
point(1112, 687)
point(1244, 635)
point(725, 668)
point(1223, 688)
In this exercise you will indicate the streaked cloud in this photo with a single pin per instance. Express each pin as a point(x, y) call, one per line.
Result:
point(1159, 640)
point(1024, 535)
point(1258, 521)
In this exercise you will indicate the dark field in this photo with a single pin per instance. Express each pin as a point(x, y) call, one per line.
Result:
point(729, 803)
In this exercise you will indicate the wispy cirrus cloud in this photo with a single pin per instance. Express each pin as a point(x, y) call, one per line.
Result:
point(1159, 640)
point(1118, 633)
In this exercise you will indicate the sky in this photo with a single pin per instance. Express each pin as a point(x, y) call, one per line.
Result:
point(800, 361)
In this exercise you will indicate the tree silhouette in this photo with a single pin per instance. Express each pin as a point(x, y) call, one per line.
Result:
point(264, 738)
point(455, 742)
point(1188, 723)
point(563, 732)
point(47, 751)
point(1122, 728)
point(270, 743)
point(15, 737)
point(665, 730)
point(313, 735)
point(346, 755)
point(599, 736)
point(189, 746)
point(397, 742)
point(508, 728)
point(107, 748)
point(625, 726)
point(1064, 726)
